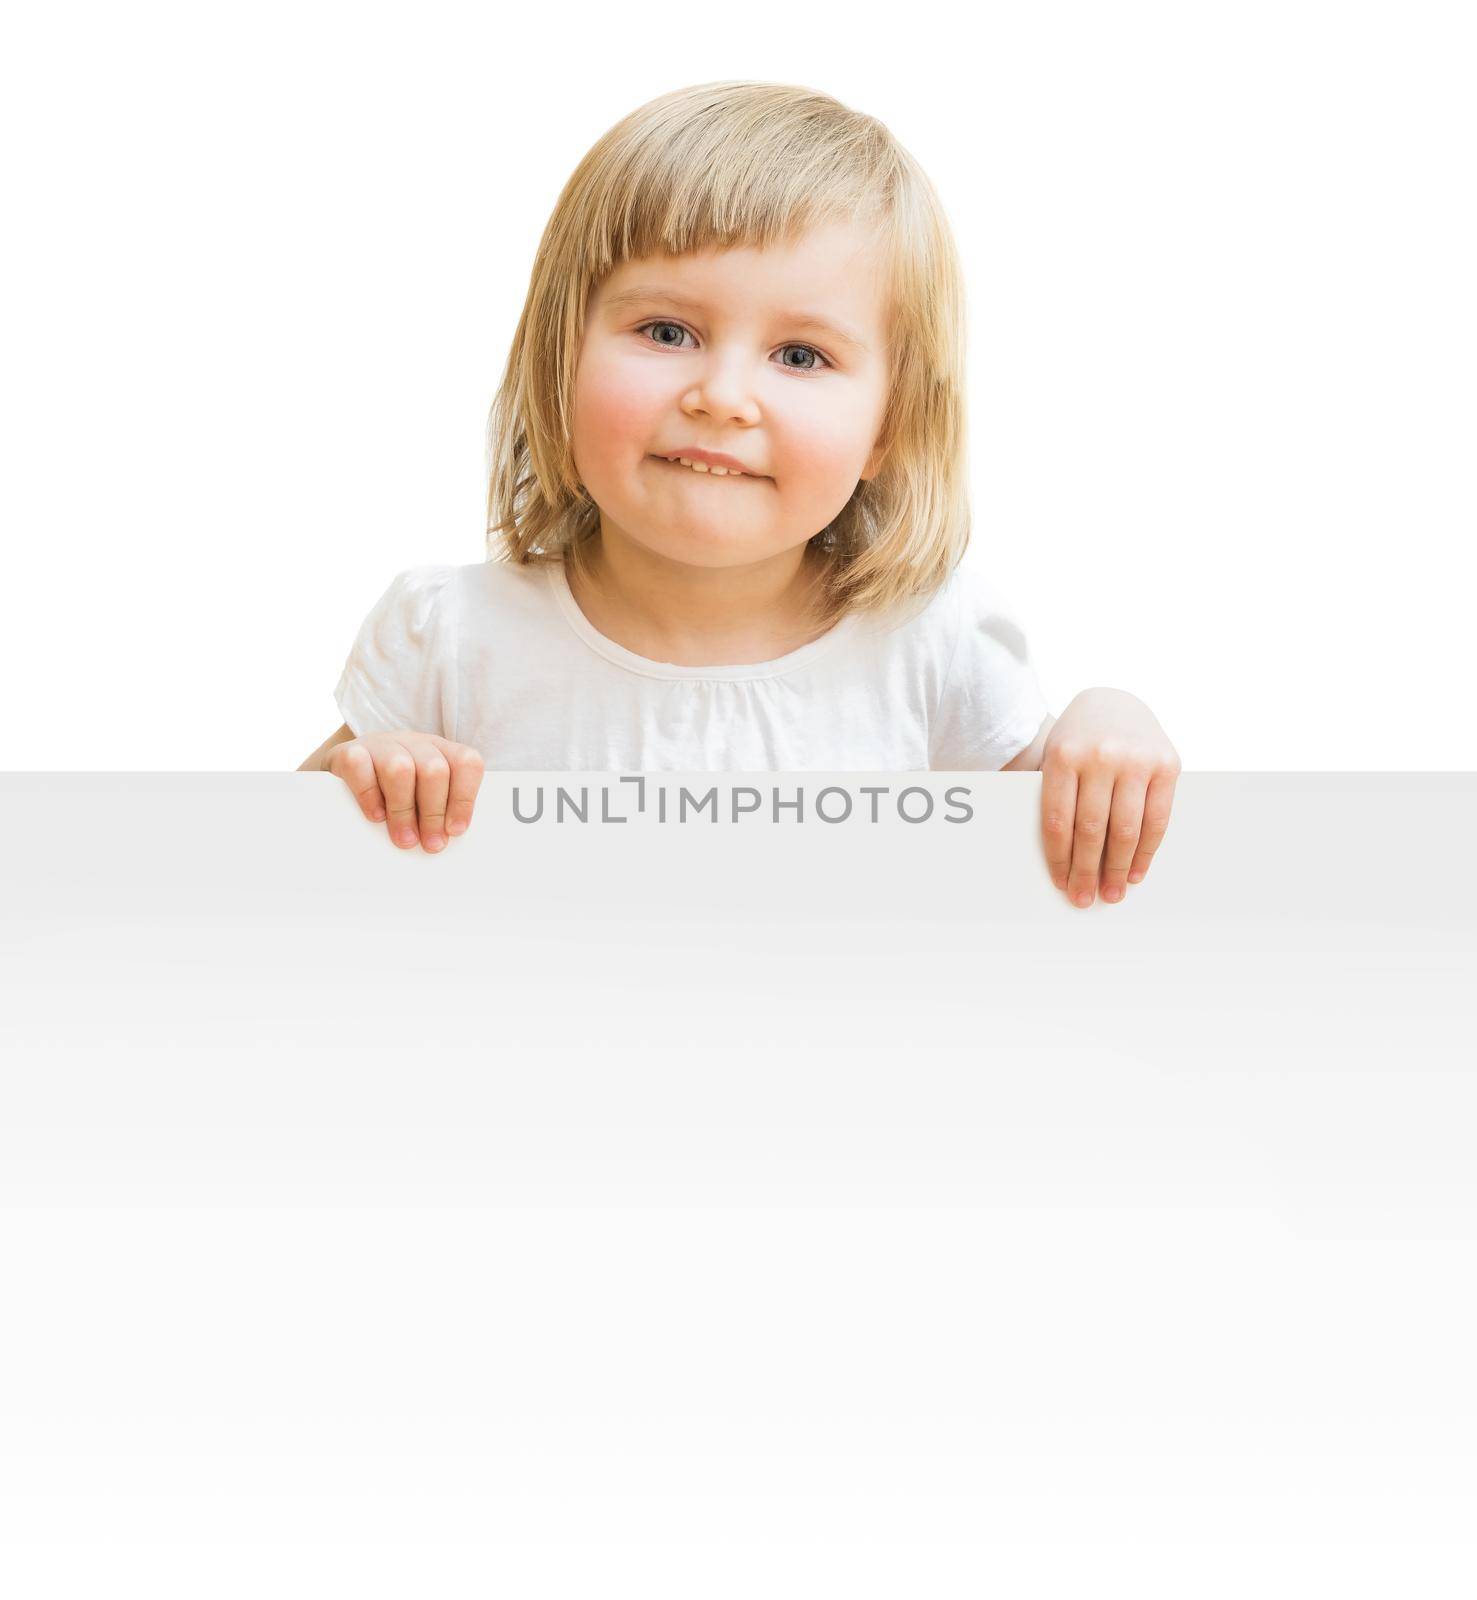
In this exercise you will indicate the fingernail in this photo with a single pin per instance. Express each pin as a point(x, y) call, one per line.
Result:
point(456, 827)
point(434, 841)
point(1084, 897)
point(1112, 892)
point(1135, 877)
point(405, 836)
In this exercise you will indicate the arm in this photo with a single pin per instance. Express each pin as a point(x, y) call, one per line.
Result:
point(314, 763)
point(1029, 760)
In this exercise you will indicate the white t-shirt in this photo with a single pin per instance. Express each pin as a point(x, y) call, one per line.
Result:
point(500, 657)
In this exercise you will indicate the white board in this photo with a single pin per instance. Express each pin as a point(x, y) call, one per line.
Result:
point(735, 1207)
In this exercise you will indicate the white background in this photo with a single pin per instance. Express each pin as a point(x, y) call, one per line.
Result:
point(264, 264)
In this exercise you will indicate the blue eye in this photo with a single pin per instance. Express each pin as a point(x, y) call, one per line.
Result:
point(664, 323)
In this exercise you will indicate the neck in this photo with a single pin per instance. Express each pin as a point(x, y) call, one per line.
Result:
point(698, 615)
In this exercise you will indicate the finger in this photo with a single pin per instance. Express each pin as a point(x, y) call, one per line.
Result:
point(466, 779)
point(432, 784)
point(1157, 806)
point(1125, 822)
point(1094, 799)
point(354, 764)
point(396, 768)
point(1058, 808)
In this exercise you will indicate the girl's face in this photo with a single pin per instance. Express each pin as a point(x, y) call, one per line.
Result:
point(775, 357)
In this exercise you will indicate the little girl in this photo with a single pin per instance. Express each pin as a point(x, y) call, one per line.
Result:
point(727, 494)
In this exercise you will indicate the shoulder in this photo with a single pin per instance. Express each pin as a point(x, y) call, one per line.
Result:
point(420, 595)
point(508, 593)
point(988, 658)
point(411, 610)
point(976, 593)
point(982, 614)
point(419, 587)
point(967, 603)
point(990, 704)
point(502, 576)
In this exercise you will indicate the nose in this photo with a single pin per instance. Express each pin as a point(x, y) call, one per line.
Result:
point(724, 391)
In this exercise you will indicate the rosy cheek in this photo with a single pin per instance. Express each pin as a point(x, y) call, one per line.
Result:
point(620, 399)
point(816, 449)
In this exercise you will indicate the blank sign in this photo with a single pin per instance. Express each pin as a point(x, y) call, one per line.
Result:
point(663, 1192)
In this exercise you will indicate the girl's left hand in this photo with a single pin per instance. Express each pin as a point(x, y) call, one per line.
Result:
point(1107, 775)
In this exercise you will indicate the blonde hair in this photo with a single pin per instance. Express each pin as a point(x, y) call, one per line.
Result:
point(748, 164)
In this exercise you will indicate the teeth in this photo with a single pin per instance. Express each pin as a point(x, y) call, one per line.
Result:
point(718, 472)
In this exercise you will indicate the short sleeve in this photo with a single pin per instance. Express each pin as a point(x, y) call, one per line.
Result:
point(990, 706)
point(401, 670)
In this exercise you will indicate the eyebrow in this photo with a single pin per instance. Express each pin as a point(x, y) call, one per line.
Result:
point(796, 319)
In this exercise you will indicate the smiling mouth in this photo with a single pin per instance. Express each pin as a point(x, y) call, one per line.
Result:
point(712, 472)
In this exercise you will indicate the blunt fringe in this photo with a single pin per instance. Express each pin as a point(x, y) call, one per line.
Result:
point(748, 164)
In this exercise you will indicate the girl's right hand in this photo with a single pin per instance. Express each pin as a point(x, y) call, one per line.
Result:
point(420, 785)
